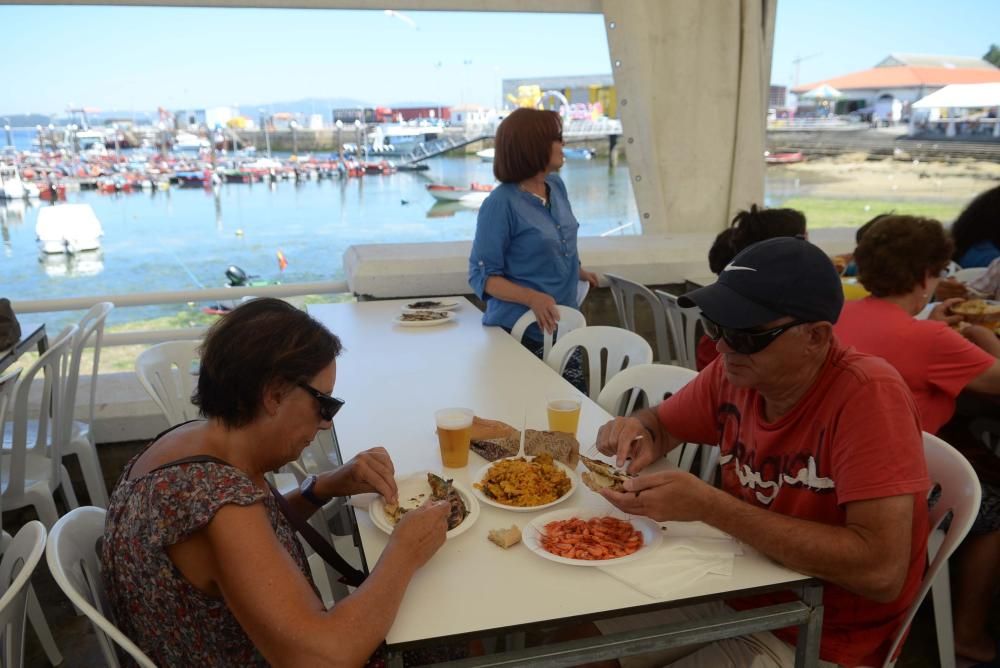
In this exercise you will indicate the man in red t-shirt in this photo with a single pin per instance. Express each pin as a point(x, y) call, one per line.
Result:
point(821, 452)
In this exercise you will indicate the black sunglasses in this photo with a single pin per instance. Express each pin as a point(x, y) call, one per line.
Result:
point(746, 341)
point(328, 406)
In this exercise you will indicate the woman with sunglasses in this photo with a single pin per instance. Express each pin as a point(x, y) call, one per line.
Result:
point(525, 255)
point(900, 261)
point(201, 565)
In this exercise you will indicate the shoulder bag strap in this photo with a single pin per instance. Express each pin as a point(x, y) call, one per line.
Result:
point(348, 574)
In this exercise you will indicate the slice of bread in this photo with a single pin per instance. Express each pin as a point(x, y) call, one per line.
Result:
point(505, 538)
point(485, 430)
point(563, 447)
point(493, 439)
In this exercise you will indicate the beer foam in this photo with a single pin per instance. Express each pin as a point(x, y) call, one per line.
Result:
point(453, 418)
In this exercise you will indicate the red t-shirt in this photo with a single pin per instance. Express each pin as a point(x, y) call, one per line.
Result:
point(854, 436)
point(935, 361)
point(705, 352)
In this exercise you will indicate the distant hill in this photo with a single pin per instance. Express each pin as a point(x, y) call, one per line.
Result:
point(25, 120)
point(307, 106)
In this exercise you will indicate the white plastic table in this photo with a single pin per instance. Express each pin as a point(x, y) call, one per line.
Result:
point(393, 378)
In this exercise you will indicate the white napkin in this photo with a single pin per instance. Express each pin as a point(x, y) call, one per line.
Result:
point(689, 552)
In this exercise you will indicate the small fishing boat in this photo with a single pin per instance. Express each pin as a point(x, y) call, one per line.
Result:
point(236, 278)
point(68, 228)
point(476, 192)
point(783, 158)
point(578, 153)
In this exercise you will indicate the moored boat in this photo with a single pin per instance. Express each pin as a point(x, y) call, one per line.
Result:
point(445, 193)
point(783, 158)
point(68, 228)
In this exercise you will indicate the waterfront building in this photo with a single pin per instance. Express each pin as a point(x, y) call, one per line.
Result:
point(887, 90)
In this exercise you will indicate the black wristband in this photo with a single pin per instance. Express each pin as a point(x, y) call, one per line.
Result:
point(306, 490)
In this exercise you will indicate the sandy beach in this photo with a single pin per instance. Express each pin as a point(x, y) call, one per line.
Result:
point(849, 189)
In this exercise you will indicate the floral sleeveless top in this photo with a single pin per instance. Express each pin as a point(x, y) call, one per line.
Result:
point(174, 623)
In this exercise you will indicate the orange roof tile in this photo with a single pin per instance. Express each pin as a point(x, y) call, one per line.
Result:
point(902, 77)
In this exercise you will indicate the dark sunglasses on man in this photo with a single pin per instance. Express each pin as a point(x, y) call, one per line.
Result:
point(746, 341)
point(328, 406)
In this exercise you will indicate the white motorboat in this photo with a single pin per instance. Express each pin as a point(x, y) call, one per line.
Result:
point(68, 228)
point(475, 193)
point(11, 186)
point(186, 142)
point(487, 154)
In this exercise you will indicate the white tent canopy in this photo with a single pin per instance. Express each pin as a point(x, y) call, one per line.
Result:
point(822, 92)
point(958, 96)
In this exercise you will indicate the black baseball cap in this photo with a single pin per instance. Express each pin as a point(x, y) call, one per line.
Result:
point(772, 279)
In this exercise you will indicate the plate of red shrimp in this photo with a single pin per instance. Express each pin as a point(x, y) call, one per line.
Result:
point(590, 537)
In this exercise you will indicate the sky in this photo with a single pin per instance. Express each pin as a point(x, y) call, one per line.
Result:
point(141, 58)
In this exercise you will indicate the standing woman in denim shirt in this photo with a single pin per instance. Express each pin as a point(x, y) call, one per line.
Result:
point(524, 255)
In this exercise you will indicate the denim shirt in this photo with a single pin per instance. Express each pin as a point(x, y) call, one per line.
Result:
point(531, 245)
point(979, 255)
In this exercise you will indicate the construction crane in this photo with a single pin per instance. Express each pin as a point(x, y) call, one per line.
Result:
point(796, 62)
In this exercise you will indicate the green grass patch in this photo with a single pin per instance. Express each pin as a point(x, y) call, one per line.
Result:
point(122, 358)
point(821, 212)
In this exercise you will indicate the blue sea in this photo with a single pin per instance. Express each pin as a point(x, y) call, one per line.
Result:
point(185, 239)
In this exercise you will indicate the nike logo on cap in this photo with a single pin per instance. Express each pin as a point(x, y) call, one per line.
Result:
point(734, 267)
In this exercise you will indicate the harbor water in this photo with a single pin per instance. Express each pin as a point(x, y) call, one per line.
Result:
point(185, 238)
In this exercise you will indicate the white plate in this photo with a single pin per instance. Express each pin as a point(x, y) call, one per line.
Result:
point(523, 509)
point(448, 317)
point(410, 487)
point(444, 305)
point(651, 532)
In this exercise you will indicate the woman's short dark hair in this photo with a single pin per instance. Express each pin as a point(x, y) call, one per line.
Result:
point(257, 343)
point(721, 253)
point(749, 227)
point(524, 144)
point(980, 221)
point(759, 224)
point(898, 252)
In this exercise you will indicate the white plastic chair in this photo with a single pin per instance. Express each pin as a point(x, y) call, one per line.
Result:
point(683, 324)
point(31, 472)
point(569, 319)
point(625, 294)
point(657, 381)
point(16, 567)
point(80, 441)
point(960, 495)
point(35, 614)
point(167, 372)
point(76, 567)
point(622, 347)
point(970, 274)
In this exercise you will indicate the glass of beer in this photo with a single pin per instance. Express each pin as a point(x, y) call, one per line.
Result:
point(454, 427)
point(564, 413)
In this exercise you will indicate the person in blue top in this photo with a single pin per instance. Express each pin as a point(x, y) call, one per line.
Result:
point(976, 231)
point(524, 255)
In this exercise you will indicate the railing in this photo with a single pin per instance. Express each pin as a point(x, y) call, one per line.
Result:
point(178, 297)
